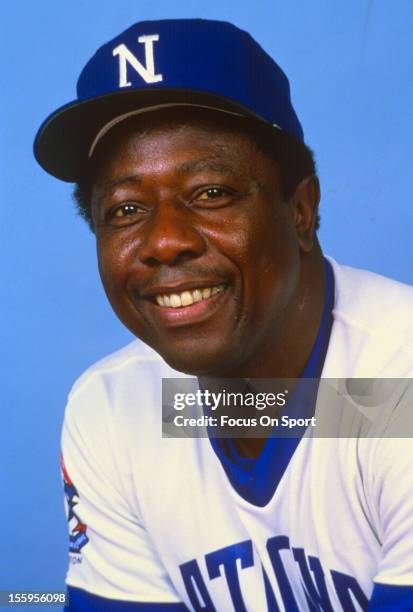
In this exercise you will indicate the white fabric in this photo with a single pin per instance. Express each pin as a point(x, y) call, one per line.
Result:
point(153, 504)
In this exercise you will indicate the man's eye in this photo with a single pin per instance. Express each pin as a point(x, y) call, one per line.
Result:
point(211, 194)
point(125, 210)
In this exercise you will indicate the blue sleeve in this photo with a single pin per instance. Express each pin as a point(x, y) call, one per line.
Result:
point(390, 598)
point(82, 601)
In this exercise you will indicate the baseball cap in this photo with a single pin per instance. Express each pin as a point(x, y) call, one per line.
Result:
point(153, 64)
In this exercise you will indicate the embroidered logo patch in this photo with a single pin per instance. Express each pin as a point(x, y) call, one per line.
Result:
point(78, 537)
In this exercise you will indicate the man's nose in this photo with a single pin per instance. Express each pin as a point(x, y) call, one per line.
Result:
point(170, 236)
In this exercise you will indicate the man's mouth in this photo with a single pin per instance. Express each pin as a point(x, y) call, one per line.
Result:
point(186, 303)
point(187, 297)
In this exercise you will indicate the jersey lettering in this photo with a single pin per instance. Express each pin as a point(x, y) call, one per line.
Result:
point(147, 71)
point(274, 546)
point(348, 590)
point(227, 558)
point(231, 560)
point(196, 587)
point(316, 593)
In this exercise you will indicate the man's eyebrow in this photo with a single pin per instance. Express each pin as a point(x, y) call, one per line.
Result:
point(110, 187)
point(122, 180)
point(187, 167)
point(198, 165)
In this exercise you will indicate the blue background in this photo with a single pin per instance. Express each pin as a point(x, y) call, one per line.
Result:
point(350, 65)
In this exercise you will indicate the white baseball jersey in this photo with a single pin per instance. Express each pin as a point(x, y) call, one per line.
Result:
point(157, 520)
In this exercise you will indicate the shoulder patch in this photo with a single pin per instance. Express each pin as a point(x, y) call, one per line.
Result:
point(78, 529)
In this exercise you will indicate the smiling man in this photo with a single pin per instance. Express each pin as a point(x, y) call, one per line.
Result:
point(192, 172)
point(198, 250)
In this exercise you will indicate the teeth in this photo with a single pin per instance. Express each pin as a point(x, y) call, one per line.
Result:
point(186, 298)
point(175, 301)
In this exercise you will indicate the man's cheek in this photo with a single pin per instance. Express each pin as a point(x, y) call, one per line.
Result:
point(112, 277)
point(112, 259)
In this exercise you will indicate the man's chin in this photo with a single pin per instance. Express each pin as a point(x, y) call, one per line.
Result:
point(199, 362)
point(194, 365)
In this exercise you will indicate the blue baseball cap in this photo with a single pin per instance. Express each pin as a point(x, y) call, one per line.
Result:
point(153, 64)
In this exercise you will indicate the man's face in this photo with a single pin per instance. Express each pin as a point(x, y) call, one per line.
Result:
point(197, 252)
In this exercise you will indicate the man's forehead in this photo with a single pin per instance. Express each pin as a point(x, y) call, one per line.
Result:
point(182, 120)
point(137, 151)
point(213, 138)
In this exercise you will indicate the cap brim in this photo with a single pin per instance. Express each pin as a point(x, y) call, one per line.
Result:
point(64, 140)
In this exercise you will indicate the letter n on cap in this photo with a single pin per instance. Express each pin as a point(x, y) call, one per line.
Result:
point(126, 57)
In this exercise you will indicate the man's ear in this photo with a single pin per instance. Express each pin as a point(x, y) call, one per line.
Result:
point(305, 205)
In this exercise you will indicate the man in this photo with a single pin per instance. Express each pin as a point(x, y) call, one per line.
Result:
point(192, 172)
